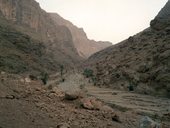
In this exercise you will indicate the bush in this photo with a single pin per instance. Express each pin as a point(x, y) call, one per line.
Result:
point(44, 78)
point(88, 73)
point(94, 79)
point(131, 87)
point(13, 64)
point(33, 77)
point(61, 70)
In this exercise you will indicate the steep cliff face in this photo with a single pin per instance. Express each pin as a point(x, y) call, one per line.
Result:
point(84, 46)
point(27, 17)
point(141, 62)
point(22, 12)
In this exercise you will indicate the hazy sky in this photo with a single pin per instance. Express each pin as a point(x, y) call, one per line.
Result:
point(108, 20)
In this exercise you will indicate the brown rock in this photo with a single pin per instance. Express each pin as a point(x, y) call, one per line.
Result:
point(91, 104)
point(63, 125)
point(10, 97)
point(71, 96)
point(116, 118)
point(106, 108)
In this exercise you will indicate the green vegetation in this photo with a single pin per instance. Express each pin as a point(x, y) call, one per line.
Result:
point(19, 53)
point(61, 73)
point(131, 87)
point(44, 77)
point(12, 64)
point(132, 84)
point(61, 70)
point(88, 73)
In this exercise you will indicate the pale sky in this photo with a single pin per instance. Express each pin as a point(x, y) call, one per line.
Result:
point(106, 20)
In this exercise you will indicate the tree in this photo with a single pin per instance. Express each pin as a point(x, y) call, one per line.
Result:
point(44, 77)
point(61, 70)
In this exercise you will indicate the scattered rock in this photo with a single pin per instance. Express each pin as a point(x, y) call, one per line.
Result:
point(57, 91)
point(40, 105)
point(106, 108)
point(147, 122)
point(10, 97)
point(2, 79)
point(27, 80)
point(167, 115)
point(159, 24)
point(50, 87)
point(114, 93)
point(71, 96)
point(33, 77)
point(22, 80)
point(91, 104)
point(2, 73)
point(64, 125)
point(38, 89)
point(131, 39)
point(116, 118)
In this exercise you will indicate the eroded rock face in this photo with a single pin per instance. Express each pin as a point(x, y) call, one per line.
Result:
point(28, 18)
point(22, 12)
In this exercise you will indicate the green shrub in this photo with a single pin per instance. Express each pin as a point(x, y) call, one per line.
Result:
point(44, 77)
point(94, 80)
point(88, 73)
point(61, 70)
point(131, 88)
point(13, 64)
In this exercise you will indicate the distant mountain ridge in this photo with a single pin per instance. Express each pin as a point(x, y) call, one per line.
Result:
point(27, 18)
point(84, 46)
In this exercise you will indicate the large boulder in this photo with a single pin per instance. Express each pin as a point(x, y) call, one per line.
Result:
point(74, 95)
point(147, 122)
point(91, 103)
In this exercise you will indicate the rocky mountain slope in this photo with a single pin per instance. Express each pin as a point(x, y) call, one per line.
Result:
point(27, 18)
point(62, 42)
point(140, 63)
point(19, 53)
point(84, 46)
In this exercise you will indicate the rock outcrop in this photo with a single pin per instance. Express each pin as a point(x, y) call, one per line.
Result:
point(84, 46)
point(141, 62)
point(161, 21)
point(147, 122)
point(26, 17)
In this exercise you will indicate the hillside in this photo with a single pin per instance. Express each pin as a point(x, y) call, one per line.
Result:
point(27, 18)
point(141, 62)
point(84, 46)
point(19, 53)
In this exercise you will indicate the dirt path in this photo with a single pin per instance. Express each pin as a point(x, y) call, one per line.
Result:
point(142, 104)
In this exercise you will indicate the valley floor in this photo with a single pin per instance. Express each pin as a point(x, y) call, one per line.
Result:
point(34, 105)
